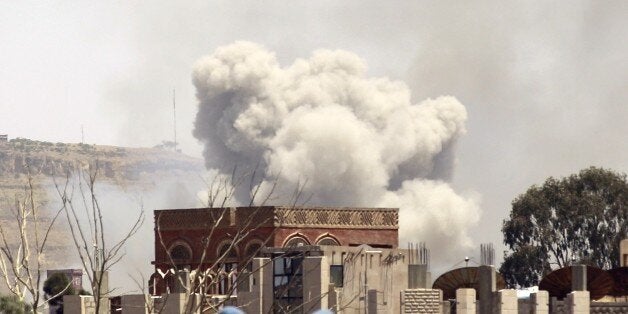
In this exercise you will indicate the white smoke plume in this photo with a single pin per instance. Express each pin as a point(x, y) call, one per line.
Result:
point(355, 140)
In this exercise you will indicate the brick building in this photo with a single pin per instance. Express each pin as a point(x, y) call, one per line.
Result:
point(197, 238)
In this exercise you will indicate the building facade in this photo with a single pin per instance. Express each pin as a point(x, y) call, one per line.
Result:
point(345, 279)
point(225, 240)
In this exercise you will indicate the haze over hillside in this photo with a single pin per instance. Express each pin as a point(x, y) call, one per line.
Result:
point(19, 157)
point(130, 180)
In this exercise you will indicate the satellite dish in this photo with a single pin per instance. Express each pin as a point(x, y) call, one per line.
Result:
point(465, 277)
point(558, 282)
point(620, 277)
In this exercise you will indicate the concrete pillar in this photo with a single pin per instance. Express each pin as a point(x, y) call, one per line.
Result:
point(578, 302)
point(105, 305)
point(487, 285)
point(266, 284)
point(182, 281)
point(540, 302)
point(72, 304)
point(315, 282)
point(506, 302)
point(372, 301)
point(623, 253)
point(579, 278)
point(417, 276)
point(332, 297)
point(465, 301)
point(259, 297)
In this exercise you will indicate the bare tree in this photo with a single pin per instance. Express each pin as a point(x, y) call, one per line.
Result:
point(217, 276)
point(23, 244)
point(85, 219)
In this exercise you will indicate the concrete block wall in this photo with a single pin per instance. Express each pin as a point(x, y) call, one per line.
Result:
point(539, 302)
point(608, 307)
point(525, 306)
point(465, 301)
point(421, 301)
point(506, 302)
point(174, 303)
point(135, 304)
point(78, 304)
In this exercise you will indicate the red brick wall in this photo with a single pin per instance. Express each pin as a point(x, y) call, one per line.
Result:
point(193, 226)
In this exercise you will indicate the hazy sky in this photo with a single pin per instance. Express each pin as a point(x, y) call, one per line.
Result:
point(545, 83)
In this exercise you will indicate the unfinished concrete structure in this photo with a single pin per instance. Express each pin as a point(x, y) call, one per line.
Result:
point(345, 279)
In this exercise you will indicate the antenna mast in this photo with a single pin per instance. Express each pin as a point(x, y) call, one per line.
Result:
point(174, 111)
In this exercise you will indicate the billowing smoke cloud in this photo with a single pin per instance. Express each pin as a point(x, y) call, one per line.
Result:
point(355, 140)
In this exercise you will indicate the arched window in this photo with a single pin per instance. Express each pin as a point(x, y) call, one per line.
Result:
point(227, 251)
point(180, 252)
point(296, 240)
point(327, 241)
point(253, 248)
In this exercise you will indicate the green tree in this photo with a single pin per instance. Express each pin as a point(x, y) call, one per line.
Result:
point(11, 304)
point(56, 286)
point(582, 217)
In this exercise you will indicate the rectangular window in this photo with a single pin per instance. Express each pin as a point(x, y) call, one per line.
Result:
point(336, 274)
point(287, 283)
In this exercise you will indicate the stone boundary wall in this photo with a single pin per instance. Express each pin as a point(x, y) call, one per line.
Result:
point(608, 307)
point(421, 301)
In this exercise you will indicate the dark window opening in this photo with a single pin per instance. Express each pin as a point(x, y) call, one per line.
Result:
point(180, 253)
point(287, 283)
point(336, 274)
point(231, 255)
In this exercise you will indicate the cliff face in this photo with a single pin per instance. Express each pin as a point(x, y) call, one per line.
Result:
point(120, 168)
point(19, 157)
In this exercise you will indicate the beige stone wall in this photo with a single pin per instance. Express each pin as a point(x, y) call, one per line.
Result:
point(539, 302)
point(578, 302)
point(623, 253)
point(78, 304)
point(465, 301)
point(315, 283)
point(259, 297)
point(611, 308)
point(135, 304)
point(421, 301)
point(382, 270)
point(506, 302)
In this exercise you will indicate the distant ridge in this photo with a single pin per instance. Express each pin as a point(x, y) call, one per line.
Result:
point(20, 156)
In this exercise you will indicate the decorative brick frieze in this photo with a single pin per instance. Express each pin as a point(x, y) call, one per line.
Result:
point(337, 217)
point(279, 216)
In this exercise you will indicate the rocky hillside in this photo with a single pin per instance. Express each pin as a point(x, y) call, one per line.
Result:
point(135, 168)
point(19, 157)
